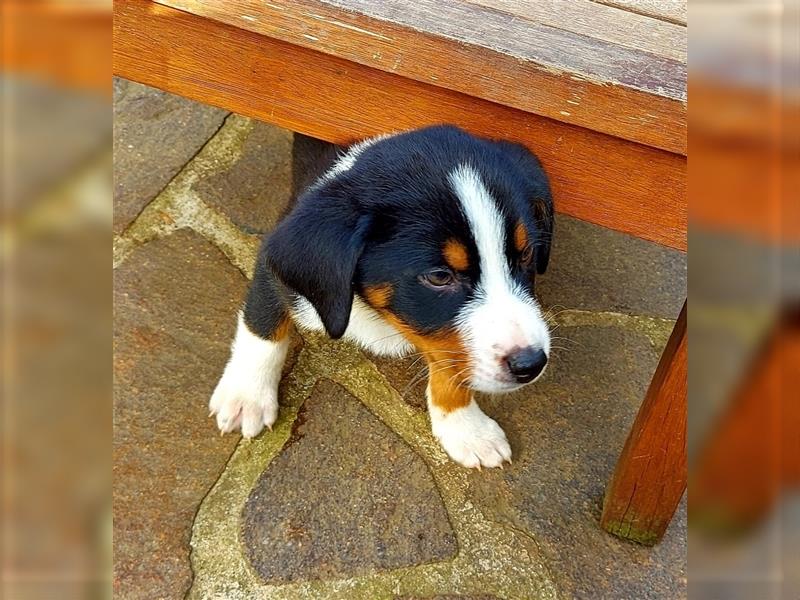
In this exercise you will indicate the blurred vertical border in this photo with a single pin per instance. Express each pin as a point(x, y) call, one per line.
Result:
point(744, 297)
point(55, 277)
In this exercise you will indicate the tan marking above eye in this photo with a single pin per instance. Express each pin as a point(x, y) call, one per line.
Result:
point(520, 237)
point(379, 296)
point(455, 254)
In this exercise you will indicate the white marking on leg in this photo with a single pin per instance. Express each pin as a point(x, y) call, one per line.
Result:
point(503, 316)
point(469, 436)
point(246, 396)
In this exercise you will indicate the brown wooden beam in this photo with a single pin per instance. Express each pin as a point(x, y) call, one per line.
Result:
point(650, 477)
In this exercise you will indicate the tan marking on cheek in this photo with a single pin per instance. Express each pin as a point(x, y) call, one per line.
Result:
point(449, 364)
point(455, 254)
point(520, 237)
point(283, 329)
point(379, 296)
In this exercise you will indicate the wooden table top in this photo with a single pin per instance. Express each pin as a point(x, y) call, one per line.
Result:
point(614, 66)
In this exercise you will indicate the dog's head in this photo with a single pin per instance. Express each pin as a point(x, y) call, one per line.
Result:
point(442, 234)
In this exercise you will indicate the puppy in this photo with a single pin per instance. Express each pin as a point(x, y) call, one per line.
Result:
point(425, 241)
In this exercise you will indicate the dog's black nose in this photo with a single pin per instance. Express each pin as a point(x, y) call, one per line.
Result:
point(526, 364)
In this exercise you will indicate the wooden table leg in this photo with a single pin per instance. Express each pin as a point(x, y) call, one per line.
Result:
point(650, 476)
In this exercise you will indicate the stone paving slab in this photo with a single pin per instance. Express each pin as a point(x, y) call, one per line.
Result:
point(175, 309)
point(155, 135)
point(566, 432)
point(253, 191)
point(597, 269)
point(491, 558)
point(345, 497)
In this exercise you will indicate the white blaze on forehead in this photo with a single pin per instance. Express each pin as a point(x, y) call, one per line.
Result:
point(503, 316)
point(487, 227)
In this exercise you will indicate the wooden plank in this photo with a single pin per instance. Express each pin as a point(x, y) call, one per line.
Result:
point(602, 22)
point(650, 477)
point(484, 53)
point(628, 187)
point(670, 11)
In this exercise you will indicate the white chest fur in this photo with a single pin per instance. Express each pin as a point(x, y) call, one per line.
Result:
point(366, 328)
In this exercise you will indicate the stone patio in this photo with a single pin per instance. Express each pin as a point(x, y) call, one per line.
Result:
point(350, 496)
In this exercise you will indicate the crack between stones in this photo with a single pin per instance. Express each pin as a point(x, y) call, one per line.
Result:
point(178, 205)
point(197, 511)
point(177, 175)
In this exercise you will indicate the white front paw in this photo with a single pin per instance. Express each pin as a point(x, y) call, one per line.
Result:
point(246, 396)
point(470, 437)
point(244, 405)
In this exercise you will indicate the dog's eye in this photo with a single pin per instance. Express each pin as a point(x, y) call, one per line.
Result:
point(527, 256)
point(438, 278)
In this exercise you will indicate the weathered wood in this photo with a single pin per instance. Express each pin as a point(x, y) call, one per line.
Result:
point(602, 22)
point(486, 53)
point(605, 180)
point(650, 477)
point(670, 11)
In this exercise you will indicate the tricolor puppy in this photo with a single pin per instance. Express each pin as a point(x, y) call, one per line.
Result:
point(425, 241)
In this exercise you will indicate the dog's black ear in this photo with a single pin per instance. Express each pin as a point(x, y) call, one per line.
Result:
point(538, 193)
point(315, 250)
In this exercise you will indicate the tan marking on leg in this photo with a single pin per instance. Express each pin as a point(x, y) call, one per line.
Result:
point(444, 393)
point(379, 296)
point(520, 237)
point(448, 361)
point(455, 254)
point(283, 329)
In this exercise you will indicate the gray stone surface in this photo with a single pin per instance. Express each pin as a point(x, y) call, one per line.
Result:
point(255, 190)
point(566, 432)
point(594, 268)
point(408, 376)
point(175, 311)
point(155, 135)
point(448, 597)
point(345, 497)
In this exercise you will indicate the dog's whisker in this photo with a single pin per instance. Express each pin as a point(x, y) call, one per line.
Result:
point(450, 363)
point(453, 378)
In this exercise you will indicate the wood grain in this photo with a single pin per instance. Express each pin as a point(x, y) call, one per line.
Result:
point(628, 187)
point(650, 477)
point(670, 11)
point(486, 53)
point(602, 22)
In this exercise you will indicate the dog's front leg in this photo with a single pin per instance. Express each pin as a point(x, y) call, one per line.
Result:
point(471, 438)
point(246, 396)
